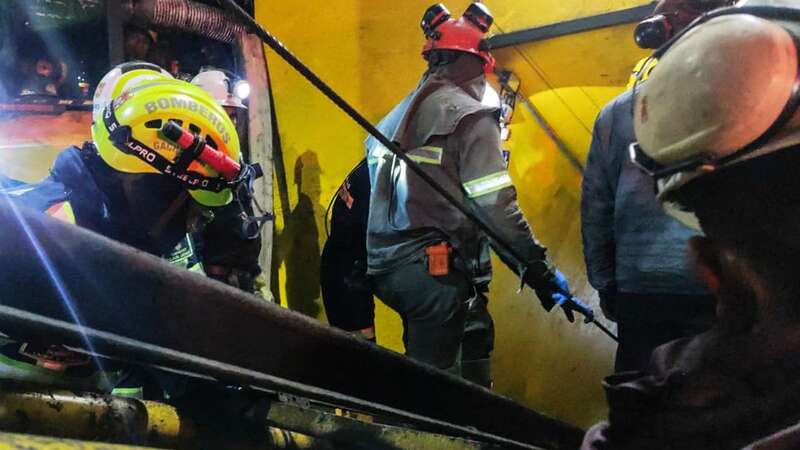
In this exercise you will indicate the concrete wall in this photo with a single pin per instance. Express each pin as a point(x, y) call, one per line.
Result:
point(368, 50)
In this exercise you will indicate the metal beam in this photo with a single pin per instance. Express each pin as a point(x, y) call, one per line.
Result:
point(571, 27)
point(545, 125)
point(253, 60)
point(86, 290)
point(116, 39)
point(345, 430)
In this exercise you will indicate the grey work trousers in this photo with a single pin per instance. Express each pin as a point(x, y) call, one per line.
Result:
point(435, 312)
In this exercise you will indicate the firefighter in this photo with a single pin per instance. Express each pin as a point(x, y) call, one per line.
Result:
point(132, 185)
point(422, 252)
point(720, 137)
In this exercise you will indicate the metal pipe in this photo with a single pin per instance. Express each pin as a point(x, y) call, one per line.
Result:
point(13, 441)
point(185, 15)
point(96, 417)
point(76, 416)
point(343, 430)
point(574, 26)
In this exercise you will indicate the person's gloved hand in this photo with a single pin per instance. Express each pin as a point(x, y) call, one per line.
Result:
point(554, 291)
point(608, 303)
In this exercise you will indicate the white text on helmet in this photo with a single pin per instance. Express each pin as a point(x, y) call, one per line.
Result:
point(148, 155)
point(190, 105)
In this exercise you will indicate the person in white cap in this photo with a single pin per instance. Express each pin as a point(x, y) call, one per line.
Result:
point(224, 262)
point(718, 131)
point(225, 89)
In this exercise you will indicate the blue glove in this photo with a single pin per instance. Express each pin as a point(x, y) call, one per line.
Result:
point(555, 292)
point(561, 296)
point(574, 304)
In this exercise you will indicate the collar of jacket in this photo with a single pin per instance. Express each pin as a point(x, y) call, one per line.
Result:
point(444, 97)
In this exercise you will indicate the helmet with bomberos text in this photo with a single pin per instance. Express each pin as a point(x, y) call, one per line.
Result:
point(123, 77)
point(128, 136)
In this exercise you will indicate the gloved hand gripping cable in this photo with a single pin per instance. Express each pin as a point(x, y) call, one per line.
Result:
point(253, 26)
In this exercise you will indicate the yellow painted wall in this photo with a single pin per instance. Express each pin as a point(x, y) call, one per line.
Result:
point(26, 153)
point(368, 51)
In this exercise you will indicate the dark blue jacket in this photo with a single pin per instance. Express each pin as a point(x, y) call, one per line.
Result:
point(629, 242)
point(71, 180)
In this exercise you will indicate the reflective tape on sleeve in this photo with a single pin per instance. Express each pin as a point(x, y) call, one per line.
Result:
point(488, 184)
point(426, 155)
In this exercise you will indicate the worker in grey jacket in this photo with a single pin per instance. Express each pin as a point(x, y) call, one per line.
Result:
point(423, 253)
point(635, 253)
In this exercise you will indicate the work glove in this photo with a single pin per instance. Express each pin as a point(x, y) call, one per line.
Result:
point(553, 290)
point(608, 303)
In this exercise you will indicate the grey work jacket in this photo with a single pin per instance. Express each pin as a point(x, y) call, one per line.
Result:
point(456, 140)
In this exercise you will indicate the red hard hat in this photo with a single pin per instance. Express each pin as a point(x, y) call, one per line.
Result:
point(464, 34)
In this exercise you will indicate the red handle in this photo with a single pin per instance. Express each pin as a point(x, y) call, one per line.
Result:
point(220, 162)
point(227, 167)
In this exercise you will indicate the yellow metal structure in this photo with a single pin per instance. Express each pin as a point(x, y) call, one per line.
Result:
point(11, 441)
point(102, 418)
point(368, 50)
point(64, 414)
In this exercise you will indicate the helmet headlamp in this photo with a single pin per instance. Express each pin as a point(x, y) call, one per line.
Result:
point(479, 15)
point(433, 17)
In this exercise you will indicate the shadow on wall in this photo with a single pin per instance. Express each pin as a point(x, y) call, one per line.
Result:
point(299, 242)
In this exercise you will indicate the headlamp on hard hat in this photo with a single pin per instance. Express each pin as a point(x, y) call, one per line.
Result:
point(433, 17)
point(226, 87)
point(653, 32)
point(241, 89)
point(479, 15)
point(657, 30)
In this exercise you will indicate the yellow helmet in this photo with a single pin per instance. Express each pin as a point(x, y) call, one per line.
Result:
point(121, 78)
point(128, 136)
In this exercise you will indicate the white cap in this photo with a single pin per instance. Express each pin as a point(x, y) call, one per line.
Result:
point(220, 86)
point(716, 91)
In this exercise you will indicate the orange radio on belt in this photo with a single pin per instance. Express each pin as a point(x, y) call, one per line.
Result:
point(438, 259)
